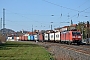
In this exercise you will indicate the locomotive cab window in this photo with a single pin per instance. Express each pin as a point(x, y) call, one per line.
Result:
point(76, 33)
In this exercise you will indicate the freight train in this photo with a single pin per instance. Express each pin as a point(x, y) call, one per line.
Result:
point(68, 37)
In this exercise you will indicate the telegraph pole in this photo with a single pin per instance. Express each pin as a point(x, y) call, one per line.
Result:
point(88, 34)
point(3, 18)
point(4, 30)
point(51, 25)
point(1, 24)
point(3, 21)
point(71, 22)
point(32, 29)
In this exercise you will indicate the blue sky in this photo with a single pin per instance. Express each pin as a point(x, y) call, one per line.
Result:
point(22, 14)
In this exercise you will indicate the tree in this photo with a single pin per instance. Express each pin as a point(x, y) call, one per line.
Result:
point(82, 27)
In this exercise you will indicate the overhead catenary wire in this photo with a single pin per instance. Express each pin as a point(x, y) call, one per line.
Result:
point(80, 6)
point(42, 21)
point(59, 5)
point(62, 6)
point(80, 12)
point(70, 9)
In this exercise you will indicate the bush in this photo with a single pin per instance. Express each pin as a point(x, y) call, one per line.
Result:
point(2, 38)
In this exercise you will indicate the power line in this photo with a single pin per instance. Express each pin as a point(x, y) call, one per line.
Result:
point(59, 5)
point(46, 22)
point(83, 4)
point(62, 6)
point(78, 13)
point(20, 15)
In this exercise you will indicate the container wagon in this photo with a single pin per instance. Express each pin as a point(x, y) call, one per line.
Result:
point(57, 36)
point(36, 37)
point(32, 37)
point(41, 37)
point(52, 37)
point(46, 37)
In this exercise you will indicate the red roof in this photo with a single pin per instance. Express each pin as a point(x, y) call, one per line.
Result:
point(31, 33)
point(74, 25)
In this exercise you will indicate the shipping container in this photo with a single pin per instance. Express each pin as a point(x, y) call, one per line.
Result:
point(29, 38)
point(57, 36)
point(46, 37)
point(36, 37)
point(26, 38)
point(22, 38)
point(41, 37)
point(15, 38)
point(52, 37)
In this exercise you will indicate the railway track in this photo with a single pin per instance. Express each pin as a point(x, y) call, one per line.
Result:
point(84, 49)
point(77, 48)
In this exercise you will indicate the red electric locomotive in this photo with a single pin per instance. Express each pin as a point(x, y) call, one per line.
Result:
point(71, 37)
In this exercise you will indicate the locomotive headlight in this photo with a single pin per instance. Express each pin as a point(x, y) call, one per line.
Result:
point(79, 36)
point(73, 37)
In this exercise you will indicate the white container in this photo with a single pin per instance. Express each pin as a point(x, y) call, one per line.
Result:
point(51, 36)
point(57, 36)
point(35, 37)
point(46, 37)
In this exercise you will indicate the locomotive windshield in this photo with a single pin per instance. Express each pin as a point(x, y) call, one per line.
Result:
point(76, 33)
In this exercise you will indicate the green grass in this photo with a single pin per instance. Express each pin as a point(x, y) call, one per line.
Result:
point(23, 51)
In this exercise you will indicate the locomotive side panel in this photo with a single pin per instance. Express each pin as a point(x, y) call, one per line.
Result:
point(63, 36)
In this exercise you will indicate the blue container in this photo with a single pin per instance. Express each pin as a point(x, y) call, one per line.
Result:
point(31, 37)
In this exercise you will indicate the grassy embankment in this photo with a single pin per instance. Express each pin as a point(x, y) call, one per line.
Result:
point(23, 51)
